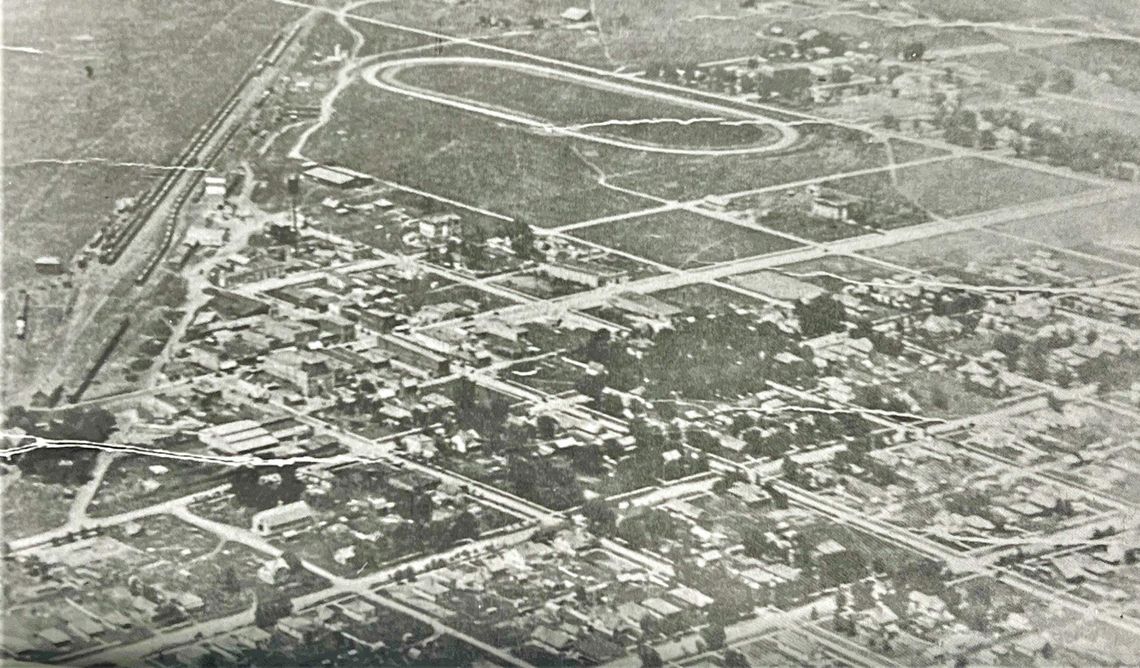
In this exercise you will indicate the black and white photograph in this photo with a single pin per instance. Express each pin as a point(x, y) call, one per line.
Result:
point(537, 333)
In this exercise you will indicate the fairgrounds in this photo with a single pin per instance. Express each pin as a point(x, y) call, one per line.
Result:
point(384, 76)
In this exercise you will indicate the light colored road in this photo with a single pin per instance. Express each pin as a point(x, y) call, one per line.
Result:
point(383, 76)
point(341, 585)
point(77, 514)
point(957, 562)
point(29, 542)
point(596, 297)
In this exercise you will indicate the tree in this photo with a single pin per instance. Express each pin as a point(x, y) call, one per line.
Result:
point(292, 561)
point(601, 519)
point(649, 657)
point(714, 635)
point(987, 139)
point(272, 607)
point(914, 51)
point(891, 122)
point(820, 316)
point(939, 398)
point(464, 527)
point(230, 583)
point(734, 658)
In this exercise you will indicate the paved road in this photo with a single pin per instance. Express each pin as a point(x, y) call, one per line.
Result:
point(383, 76)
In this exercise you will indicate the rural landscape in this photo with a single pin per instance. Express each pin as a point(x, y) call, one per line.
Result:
point(623, 333)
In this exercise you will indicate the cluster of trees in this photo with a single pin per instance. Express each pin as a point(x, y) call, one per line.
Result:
point(1098, 150)
point(822, 315)
point(716, 355)
point(471, 244)
point(64, 466)
point(790, 84)
point(259, 487)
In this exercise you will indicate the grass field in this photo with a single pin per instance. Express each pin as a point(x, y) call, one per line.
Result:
point(968, 255)
point(683, 239)
point(707, 296)
point(1110, 230)
point(158, 70)
point(985, 10)
point(572, 104)
point(824, 150)
point(970, 185)
point(505, 169)
point(633, 33)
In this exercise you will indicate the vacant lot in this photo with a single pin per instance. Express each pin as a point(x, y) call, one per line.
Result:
point(976, 253)
point(970, 185)
point(129, 83)
point(634, 33)
point(1110, 230)
point(683, 239)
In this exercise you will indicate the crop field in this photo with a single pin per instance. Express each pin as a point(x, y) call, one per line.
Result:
point(683, 239)
point(142, 57)
point(1110, 230)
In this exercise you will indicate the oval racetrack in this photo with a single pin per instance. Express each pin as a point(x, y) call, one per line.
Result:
point(384, 76)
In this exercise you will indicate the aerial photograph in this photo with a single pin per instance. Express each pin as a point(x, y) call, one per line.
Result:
point(625, 333)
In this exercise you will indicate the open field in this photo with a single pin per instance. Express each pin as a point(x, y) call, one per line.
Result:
point(1110, 230)
point(634, 33)
point(982, 10)
point(970, 185)
point(143, 57)
point(823, 150)
point(978, 253)
point(593, 109)
point(464, 157)
point(683, 239)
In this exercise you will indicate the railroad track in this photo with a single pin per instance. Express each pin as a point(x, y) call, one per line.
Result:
point(202, 150)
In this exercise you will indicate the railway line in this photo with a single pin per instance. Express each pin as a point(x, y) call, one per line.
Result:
point(189, 167)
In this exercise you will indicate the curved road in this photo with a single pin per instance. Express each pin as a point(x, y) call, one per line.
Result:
point(382, 76)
